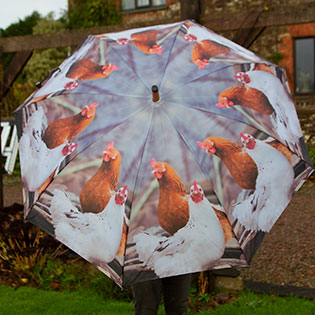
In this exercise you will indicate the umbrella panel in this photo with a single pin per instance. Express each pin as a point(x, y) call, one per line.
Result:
point(167, 131)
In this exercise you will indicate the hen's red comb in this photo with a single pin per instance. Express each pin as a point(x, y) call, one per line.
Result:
point(94, 104)
point(200, 145)
point(110, 145)
point(195, 186)
point(153, 162)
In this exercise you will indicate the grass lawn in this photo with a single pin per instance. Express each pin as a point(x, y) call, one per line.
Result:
point(26, 300)
point(261, 304)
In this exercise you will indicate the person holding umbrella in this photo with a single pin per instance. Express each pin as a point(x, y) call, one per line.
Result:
point(163, 234)
point(175, 291)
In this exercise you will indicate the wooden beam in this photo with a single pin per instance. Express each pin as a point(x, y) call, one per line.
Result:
point(274, 16)
point(190, 9)
point(278, 15)
point(65, 38)
point(13, 70)
point(247, 36)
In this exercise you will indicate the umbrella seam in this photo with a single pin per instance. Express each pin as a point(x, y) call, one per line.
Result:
point(169, 56)
point(125, 61)
point(226, 117)
point(135, 185)
point(201, 77)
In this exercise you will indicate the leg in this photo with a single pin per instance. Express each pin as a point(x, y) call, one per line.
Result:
point(147, 296)
point(176, 294)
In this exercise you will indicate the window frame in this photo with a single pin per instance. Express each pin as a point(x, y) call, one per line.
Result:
point(149, 7)
point(312, 92)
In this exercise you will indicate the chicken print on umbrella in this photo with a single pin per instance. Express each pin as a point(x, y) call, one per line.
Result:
point(182, 216)
point(93, 222)
point(173, 210)
point(44, 146)
point(95, 236)
point(249, 174)
point(274, 186)
point(197, 245)
point(146, 41)
point(65, 129)
point(98, 190)
point(37, 156)
point(263, 92)
point(205, 50)
point(86, 69)
point(173, 206)
point(86, 64)
point(241, 166)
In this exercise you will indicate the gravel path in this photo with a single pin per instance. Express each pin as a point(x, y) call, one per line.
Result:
point(286, 256)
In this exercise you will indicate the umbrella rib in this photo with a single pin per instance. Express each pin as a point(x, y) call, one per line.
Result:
point(203, 110)
point(143, 149)
point(251, 121)
point(140, 162)
point(196, 79)
point(97, 93)
point(121, 57)
point(169, 56)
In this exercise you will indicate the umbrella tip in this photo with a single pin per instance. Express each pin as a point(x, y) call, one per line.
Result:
point(155, 93)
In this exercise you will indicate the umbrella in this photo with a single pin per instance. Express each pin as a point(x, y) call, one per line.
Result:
point(160, 151)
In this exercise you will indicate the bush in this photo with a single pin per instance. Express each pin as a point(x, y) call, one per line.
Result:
point(24, 248)
point(93, 13)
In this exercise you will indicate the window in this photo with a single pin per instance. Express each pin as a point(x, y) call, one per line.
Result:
point(304, 65)
point(141, 4)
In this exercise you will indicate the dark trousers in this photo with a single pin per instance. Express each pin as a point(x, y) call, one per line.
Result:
point(175, 290)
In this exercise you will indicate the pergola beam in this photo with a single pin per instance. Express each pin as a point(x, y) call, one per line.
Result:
point(275, 16)
point(13, 70)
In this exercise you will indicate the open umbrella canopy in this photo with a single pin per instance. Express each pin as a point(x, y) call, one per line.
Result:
point(161, 151)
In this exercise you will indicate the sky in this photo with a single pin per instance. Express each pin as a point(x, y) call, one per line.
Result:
point(13, 10)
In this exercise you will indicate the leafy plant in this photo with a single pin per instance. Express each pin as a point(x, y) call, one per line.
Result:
point(276, 57)
point(108, 289)
point(204, 297)
point(311, 152)
point(43, 61)
point(84, 14)
point(19, 256)
point(20, 28)
point(24, 249)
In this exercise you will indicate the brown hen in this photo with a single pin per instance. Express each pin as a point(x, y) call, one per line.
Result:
point(65, 129)
point(245, 96)
point(146, 42)
point(173, 209)
point(86, 69)
point(97, 191)
point(204, 50)
point(240, 165)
